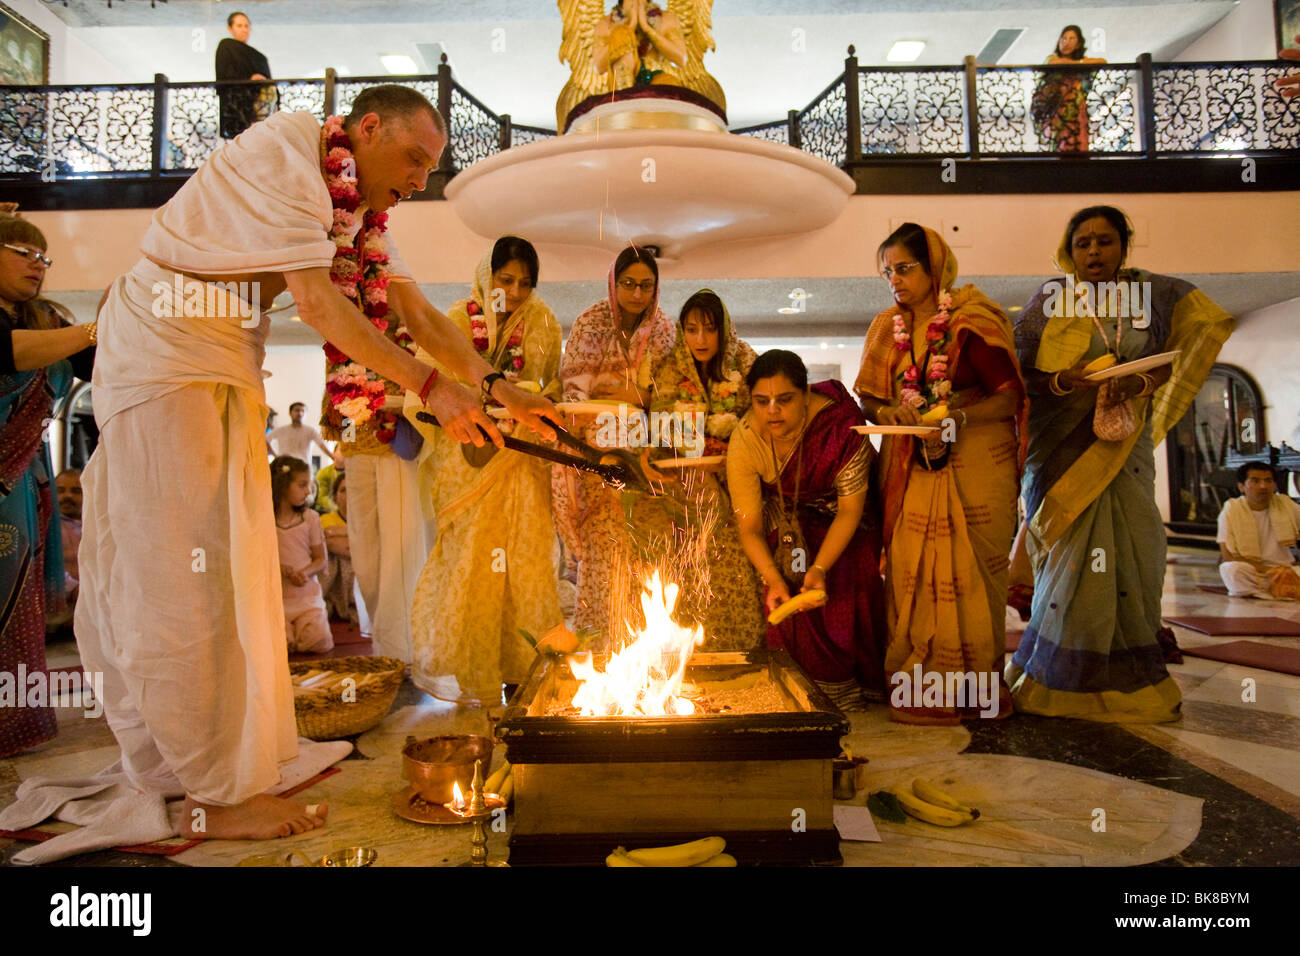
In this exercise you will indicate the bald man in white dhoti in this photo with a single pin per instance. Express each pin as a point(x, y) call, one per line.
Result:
point(181, 607)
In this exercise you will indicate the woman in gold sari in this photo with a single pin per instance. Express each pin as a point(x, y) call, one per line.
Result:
point(491, 571)
point(949, 500)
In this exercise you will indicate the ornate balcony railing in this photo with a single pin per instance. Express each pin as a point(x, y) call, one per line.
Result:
point(1139, 110)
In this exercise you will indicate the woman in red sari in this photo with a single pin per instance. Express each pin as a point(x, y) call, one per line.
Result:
point(794, 460)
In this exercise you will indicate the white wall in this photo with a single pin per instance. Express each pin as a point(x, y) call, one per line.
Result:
point(297, 375)
point(1247, 33)
point(1265, 344)
point(71, 60)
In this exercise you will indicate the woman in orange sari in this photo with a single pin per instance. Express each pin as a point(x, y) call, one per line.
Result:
point(949, 499)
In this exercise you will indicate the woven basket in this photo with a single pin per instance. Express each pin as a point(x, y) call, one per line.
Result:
point(327, 716)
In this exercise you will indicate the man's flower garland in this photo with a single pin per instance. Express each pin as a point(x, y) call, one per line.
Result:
point(360, 272)
point(514, 347)
point(936, 387)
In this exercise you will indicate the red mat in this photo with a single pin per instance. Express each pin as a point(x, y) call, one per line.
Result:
point(160, 847)
point(1212, 588)
point(1239, 626)
point(1013, 641)
point(348, 642)
point(1284, 660)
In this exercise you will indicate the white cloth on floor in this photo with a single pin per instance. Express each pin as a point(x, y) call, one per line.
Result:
point(111, 812)
point(389, 540)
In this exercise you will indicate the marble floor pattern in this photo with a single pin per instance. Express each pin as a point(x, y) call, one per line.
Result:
point(1219, 787)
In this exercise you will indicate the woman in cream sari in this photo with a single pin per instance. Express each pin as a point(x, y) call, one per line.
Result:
point(949, 501)
point(491, 571)
point(1093, 530)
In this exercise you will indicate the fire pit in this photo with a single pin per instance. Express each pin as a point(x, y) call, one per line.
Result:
point(747, 757)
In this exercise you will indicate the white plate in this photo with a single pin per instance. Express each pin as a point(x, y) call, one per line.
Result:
point(689, 462)
point(1135, 366)
point(895, 429)
point(593, 407)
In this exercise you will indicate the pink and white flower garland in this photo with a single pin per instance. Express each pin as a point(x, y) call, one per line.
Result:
point(478, 331)
point(360, 272)
point(936, 387)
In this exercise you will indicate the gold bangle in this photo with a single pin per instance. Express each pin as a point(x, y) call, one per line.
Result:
point(1148, 385)
point(92, 331)
point(1054, 384)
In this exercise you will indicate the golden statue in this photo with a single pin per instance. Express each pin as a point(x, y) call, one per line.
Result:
point(637, 45)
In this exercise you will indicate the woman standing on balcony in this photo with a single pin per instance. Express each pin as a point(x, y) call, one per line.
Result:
point(1060, 103)
point(704, 378)
point(242, 105)
point(491, 570)
point(1094, 533)
point(949, 500)
point(39, 355)
point(610, 356)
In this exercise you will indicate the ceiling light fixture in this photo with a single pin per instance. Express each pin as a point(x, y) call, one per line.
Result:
point(905, 51)
point(398, 64)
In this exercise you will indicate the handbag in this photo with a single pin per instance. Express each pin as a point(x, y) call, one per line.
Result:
point(407, 442)
point(1113, 418)
point(789, 536)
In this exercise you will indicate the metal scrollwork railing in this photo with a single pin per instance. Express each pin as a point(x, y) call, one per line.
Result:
point(523, 135)
point(345, 91)
point(76, 130)
point(911, 111)
point(778, 132)
point(1092, 109)
point(823, 125)
point(1223, 107)
point(475, 129)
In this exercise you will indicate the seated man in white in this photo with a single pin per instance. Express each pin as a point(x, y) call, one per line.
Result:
point(1256, 533)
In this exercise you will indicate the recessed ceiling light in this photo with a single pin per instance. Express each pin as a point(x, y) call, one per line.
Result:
point(905, 51)
point(398, 64)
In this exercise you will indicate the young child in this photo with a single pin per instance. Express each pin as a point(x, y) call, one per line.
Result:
point(302, 555)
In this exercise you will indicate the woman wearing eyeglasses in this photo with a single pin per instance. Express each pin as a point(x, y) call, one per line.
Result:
point(40, 352)
point(949, 497)
point(610, 355)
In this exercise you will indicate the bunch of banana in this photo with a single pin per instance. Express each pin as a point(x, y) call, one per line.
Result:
point(502, 783)
point(1100, 363)
point(800, 602)
point(705, 852)
point(929, 804)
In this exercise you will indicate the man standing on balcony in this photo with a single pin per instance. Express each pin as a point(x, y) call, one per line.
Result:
point(180, 607)
point(242, 106)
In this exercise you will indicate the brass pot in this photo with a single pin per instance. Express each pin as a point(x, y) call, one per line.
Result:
point(432, 765)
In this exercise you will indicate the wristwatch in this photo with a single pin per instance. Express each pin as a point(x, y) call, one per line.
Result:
point(488, 381)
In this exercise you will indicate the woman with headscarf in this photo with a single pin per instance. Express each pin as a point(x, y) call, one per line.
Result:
point(1093, 530)
point(40, 353)
point(703, 382)
point(491, 571)
point(799, 480)
point(949, 499)
point(610, 356)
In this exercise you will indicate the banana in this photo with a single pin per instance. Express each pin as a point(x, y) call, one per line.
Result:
point(935, 415)
point(1099, 364)
point(800, 602)
point(620, 858)
point(528, 386)
point(507, 791)
point(928, 812)
point(722, 859)
point(927, 791)
point(683, 854)
point(494, 782)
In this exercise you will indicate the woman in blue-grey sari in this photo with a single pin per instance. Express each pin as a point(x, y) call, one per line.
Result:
point(1094, 533)
point(39, 355)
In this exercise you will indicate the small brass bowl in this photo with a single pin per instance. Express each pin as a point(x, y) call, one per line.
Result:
point(432, 765)
point(352, 856)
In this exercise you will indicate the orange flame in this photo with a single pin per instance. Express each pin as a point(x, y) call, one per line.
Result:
point(457, 796)
point(642, 679)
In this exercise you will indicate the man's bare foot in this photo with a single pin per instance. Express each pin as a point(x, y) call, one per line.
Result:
point(262, 817)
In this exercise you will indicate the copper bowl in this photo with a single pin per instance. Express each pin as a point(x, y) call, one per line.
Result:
point(432, 765)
